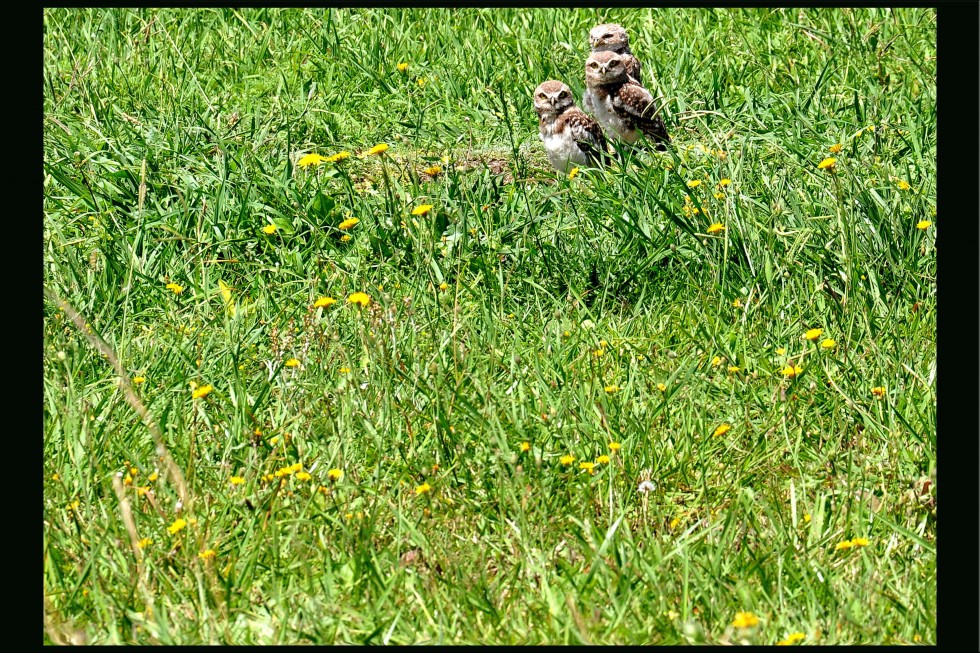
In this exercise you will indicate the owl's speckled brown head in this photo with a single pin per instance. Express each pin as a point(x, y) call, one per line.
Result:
point(552, 96)
point(605, 68)
point(609, 37)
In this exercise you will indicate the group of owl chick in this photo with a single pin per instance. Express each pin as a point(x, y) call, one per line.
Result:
point(614, 94)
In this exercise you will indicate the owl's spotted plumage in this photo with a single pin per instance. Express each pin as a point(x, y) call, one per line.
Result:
point(610, 37)
point(623, 108)
point(570, 136)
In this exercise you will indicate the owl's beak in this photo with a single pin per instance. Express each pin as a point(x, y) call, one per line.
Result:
point(553, 100)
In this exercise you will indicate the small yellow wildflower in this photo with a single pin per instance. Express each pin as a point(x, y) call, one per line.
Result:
point(722, 429)
point(154, 476)
point(860, 541)
point(737, 303)
point(377, 149)
point(733, 369)
point(745, 620)
point(145, 542)
point(270, 229)
point(827, 164)
point(443, 286)
point(236, 480)
point(344, 370)
point(719, 196)
point(310, 160)
point(791, 639)
point(176, 288)
point(716, 361)
point(303, 476)
point(674, 522)
point(903, 185)
point(715, 228)
point(602, 460)
point(524, 447)
point(780, 351)
point(572, 173)
point(615, 446)
point(791, 370)
point(829, 343)
point(207, 555)
point(139, 379)
point(177, 526)
point(878, 391)
point(324, 302)
point(402, 67)
point(813, 334)
point(836, 148)
point(662, 387)
point(140, 491)
point(339, 156)
point(589, 467)
point(422, 209)
point(841, 546)
point(348, 223)
point(923, 224)
point(870, 128)
point(806, 517)
point(599, 352)
point(724, 182)
point(425, 488)
point(345, 238)
point(567, 459)
point(610, 389)
point(694, 183)
point(202, 391)
point(56, 477)
point(359, 298)
point(335, 474)
point(128, 480)
point(433, 171)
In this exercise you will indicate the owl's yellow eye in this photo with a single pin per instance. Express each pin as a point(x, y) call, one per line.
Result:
point(562, 94)
point(613, 63)
point(593, 65)
point(541, 96)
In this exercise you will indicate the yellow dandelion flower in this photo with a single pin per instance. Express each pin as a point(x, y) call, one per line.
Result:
point(443, 286)
point(567, 459)
point(303, 476)
point(694, 183)
point(675, 522)
point(733, 369)
point(878, 391)
point(602, 460)
point(422, 209)
point(842, 546)
point(202, 391)
point(310, 160)
point(737, 303)
point(348, 223)
point(923, 224)
point(335, 474)
point(724, 182)
point(363, 299)
point(177, 526)
point(139, 379)
point(236, 480)
point(829, 343)
point(339, 156)
point(420, 81)
point(716, 361)
point(345, 238)
point(295, 466)
point(176, 288)
point(524, 447)
point(745, 620)
point(719, 196)
point(661, 387)
point(610, 389)
point(807, 517)
point(433, 171)
point(791, 370)
point(324, 302)
point(813, 334)
point(599, 352)
point(377, 149)
point(145, 542)
point(207, 555)
point(402, 67)
point(870, 128)
point(836, 148)
point(425, 488)
point(140, 491)
point(722, 429)
point(270, 229)
point(344, 370)
point(154, 476)
point(615, 446)
point(781, 351)
point(860, 541)
point(128, 480)
point(573, 173)
point(589, 467)
point(827, 164)
point(791, 639)
point(715, 228)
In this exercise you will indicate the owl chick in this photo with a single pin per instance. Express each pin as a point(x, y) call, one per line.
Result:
point(623, 108)
point(570, 136)
point(610, 37)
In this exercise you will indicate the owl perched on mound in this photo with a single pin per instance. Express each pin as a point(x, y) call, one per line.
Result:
point(610, 37)
point(570, 136)
point(623, 108)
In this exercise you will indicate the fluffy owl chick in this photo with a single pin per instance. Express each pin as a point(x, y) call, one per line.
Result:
point(610, 37)
point(623, 108)
point(570, 136)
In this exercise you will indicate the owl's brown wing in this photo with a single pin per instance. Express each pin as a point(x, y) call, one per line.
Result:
point(587, 134)
point(633, 69)
point(637, 105)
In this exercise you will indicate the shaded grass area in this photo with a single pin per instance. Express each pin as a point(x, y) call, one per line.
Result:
point(524, 317)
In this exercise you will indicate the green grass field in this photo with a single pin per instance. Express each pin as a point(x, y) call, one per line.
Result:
point(415, 468)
